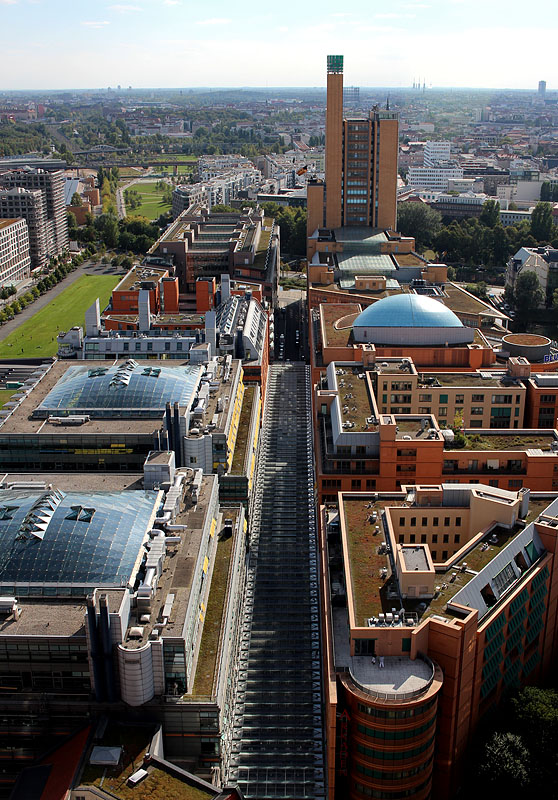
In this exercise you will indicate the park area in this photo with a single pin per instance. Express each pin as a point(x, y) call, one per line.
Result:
point(36, 337)
point(152, 202)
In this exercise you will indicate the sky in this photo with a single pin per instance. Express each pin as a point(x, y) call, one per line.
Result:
point(63, 44)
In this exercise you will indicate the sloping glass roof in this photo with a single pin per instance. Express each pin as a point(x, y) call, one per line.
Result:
point(72, 538)
point(407, 311)
point(123, 389)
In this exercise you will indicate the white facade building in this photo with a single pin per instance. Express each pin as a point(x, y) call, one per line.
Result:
point(436, 153)
point(434, 177)
point(15, 261)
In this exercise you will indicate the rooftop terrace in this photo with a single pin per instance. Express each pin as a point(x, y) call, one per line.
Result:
point(237, 466)
point(372, 592)
point(354, 400)
point(212, 627)
point(461, 379)
point(345, 313)
point(158, 785)
point(518, 440)
point(137, 275)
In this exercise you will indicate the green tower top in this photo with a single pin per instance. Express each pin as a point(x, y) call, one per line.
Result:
point(335, 64)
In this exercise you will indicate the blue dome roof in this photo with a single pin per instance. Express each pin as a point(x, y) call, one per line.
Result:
point(407, 311)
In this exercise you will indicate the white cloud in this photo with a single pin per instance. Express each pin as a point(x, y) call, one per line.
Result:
point(123, 9)
point(283, 29)
point(171, 2)
point(417, 6)
point(8, 2)
point(93, 24)
point(394, 16)
point(214, 21)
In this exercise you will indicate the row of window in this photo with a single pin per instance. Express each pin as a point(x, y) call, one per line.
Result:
point(434, 522)
point(434, 540)
point(402, 713)
point(381, 795)
point(394, 755)
point(384, 775)
point(395, 734)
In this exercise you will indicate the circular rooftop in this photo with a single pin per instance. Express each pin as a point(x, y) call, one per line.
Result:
point(407, 311)
point(410, 319)
point(399, 679)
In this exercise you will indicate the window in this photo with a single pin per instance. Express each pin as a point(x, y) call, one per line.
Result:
point(424, 522)
point(446, 521)
point(412, 538)
point(444, 555)
point(425, 409)
point(502, 399)
point(370, 483)
point(413, 522)
point(423, 538)
point(401, 522)
point(446, 538)
point(442, 412)
point(435, 522)
point(457, 538)
point(425, 398)
point(515, 484)
point(434, 538)
point(458, 522)
point(443, 399)
point(355, 485)
point(477, 398)
point(401, 538)
point(459, 399)
point(434, 554)
point(477, 411)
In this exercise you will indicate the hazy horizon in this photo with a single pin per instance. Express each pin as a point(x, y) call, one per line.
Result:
point(447, 43)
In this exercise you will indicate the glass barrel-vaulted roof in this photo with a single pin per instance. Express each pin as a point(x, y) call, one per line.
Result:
point(55, 539)
point(120, 390)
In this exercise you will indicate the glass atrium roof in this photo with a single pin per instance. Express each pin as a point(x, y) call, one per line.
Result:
point(125, 389)
point(64, 542)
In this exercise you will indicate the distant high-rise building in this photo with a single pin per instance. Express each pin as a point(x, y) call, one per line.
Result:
point(51, 187)
point(361, 164)
point(29, 205)
point(542, 89)
point(351, 94)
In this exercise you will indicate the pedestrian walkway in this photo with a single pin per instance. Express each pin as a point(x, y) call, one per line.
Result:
point(278, 733)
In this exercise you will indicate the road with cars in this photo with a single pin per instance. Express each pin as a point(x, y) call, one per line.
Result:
point(291, 333)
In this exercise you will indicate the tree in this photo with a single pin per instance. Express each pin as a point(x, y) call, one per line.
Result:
point(490, 214)
point(478, 289)
point(527, 295)
point(542, 223)
point(419, 221)
point(76, 200)
point(500, 245)
point(222, 209)
point(505, 764)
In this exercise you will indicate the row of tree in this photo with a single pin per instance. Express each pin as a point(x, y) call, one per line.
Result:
point(474, 240)
point(56, 272)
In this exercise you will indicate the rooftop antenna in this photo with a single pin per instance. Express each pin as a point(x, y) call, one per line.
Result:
point(387, 103)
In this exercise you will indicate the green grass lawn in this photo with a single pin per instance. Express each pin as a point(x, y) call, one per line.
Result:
point(37, 335)
point(5, 395)
point(152, 201)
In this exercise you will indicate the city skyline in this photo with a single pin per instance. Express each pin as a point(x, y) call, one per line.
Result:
point(151, 44)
